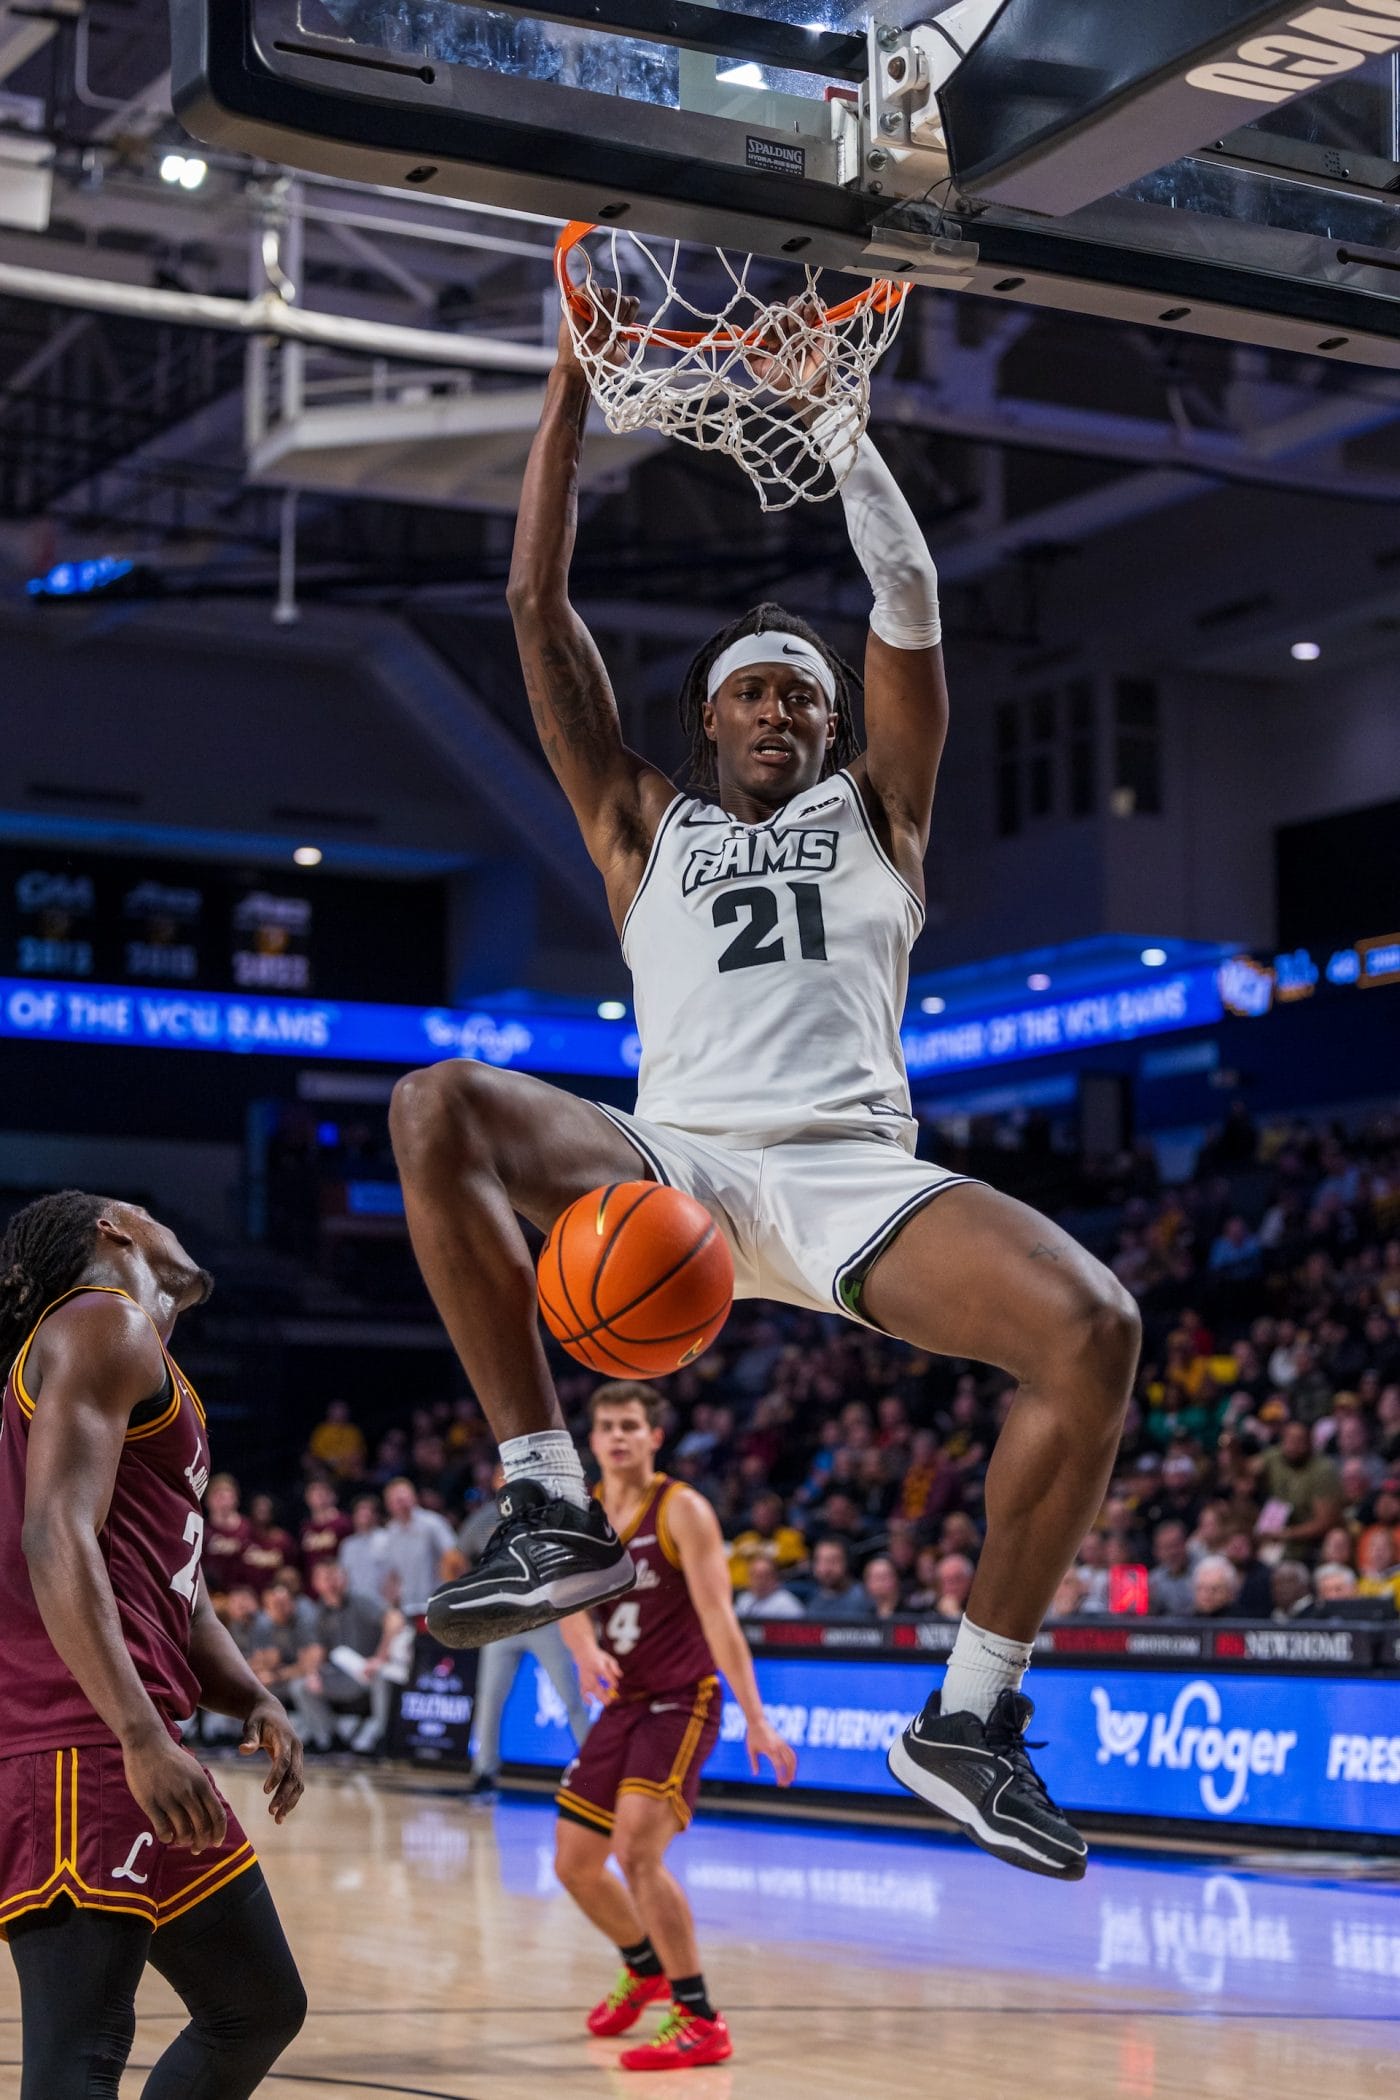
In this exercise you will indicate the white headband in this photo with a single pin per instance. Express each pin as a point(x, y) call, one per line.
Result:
point(775, 647)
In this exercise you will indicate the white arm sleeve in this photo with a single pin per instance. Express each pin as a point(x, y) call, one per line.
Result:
point(885, 536)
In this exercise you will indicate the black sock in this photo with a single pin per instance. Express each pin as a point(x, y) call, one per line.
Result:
point(689, 1991)
point(642, 1959)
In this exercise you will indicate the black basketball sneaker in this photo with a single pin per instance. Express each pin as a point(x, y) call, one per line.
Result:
point(546, 1558)
point(980, 1773)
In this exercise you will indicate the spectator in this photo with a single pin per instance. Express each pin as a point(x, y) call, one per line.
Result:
point(1068, 1600)
point(337, 1444)
point(930, 1481)
point(227, 1534)
point(958, 1534)
point(475, 1531)
point(1256, 1593)
point(1304, 1490)
point(1170, 1586)
point(1380, 1575)
point(496, 1670)
point(1338, 1547)
point(362, 1550)
point(282, 1634)
point(1292, 1590)
point(1236, 1252)
point(1334, 1586)
point(239, 1614)
point(955, 1573)
point(270, 1551)
point(1212, 1529)
point(322, 1529)
point(1093, 1569)
point(771, 1537)
point(766, 1597)
point(833, 1595)
point(349, 1665)
point(882, 1586)
point(1215, 1588)
point(414, 1542)
point(839, 1518)
point(1180, 1495)
point(927, 1589)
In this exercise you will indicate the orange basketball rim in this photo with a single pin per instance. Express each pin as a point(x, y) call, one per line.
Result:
point(879, 297)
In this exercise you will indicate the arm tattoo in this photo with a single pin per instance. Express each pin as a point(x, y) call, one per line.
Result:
point(572, 708)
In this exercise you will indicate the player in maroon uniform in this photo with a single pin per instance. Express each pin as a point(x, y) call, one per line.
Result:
point(115, 1845)
point(632, 1788)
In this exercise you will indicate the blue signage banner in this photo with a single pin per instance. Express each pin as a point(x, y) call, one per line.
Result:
point(533, 1040)
point(1187, 999)
point(1318, 1753)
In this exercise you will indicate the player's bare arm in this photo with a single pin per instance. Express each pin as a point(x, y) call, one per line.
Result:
point(228, 1686)
point(598, 1672)
point(705, 1565)
point(94, 1361)
point(616, 796)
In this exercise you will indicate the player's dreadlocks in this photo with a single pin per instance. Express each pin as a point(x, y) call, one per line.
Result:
point(46, 1248)
point(702, 773)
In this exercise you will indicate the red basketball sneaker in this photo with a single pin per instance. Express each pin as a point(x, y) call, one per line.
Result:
point(625, 2002)
point(683, 2040)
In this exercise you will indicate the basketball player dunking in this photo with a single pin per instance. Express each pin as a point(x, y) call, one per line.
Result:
point(767, 916)
point(116, 1848)
point(633, 1785)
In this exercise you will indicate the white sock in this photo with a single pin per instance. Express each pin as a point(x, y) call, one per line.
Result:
point(549, 1457)
point(981, 1667)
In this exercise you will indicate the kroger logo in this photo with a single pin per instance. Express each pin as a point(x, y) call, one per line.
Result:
point(478, 1035)
point(1190, 1739)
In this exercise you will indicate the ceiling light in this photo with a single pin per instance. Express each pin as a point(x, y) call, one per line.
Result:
point(932, 1005)
point(1038, 982)
point(308, 856)
point(745, 75)
point(611, 1010)
point(1305, 652)
point(184, 171)
point(1154, 957)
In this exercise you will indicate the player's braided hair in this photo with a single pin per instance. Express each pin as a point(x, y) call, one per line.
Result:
point(45, 1250)
point(702, 773)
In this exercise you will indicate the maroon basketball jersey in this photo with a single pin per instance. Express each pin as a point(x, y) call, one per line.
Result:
point(655, 1631)
point(151, 1543)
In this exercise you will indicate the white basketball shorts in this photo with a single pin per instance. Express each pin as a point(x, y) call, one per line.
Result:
point(804, 1221)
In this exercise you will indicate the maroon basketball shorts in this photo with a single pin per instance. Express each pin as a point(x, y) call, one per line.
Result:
point(70, 1827)
point(643, 1746)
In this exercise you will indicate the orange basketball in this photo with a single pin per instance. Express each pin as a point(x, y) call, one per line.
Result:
point(635, 1280)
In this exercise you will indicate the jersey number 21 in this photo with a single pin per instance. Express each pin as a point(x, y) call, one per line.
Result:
point(757, 912)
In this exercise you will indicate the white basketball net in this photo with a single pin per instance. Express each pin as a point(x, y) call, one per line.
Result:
point(747, 376)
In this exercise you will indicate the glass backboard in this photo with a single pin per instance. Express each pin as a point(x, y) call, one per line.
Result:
point(1158, 165)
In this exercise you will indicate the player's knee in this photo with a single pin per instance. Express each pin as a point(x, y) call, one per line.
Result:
point(284, 2006)
point(636, 1855)
point(261, 2012)
point(1107, 1331)
point(572, 1871)
point(437, 1108)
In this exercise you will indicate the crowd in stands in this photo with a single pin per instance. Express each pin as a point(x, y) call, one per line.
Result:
point(1258, 1477)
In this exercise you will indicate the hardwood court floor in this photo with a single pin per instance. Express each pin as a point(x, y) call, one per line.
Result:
point(443, 1963)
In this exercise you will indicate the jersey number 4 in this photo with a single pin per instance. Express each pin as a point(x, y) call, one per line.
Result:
point(624, 1628)
point(758, 939)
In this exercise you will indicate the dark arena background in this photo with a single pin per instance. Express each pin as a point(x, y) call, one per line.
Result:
point(274, 830)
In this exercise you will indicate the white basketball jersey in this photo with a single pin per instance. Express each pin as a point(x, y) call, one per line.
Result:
point(770, 964)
